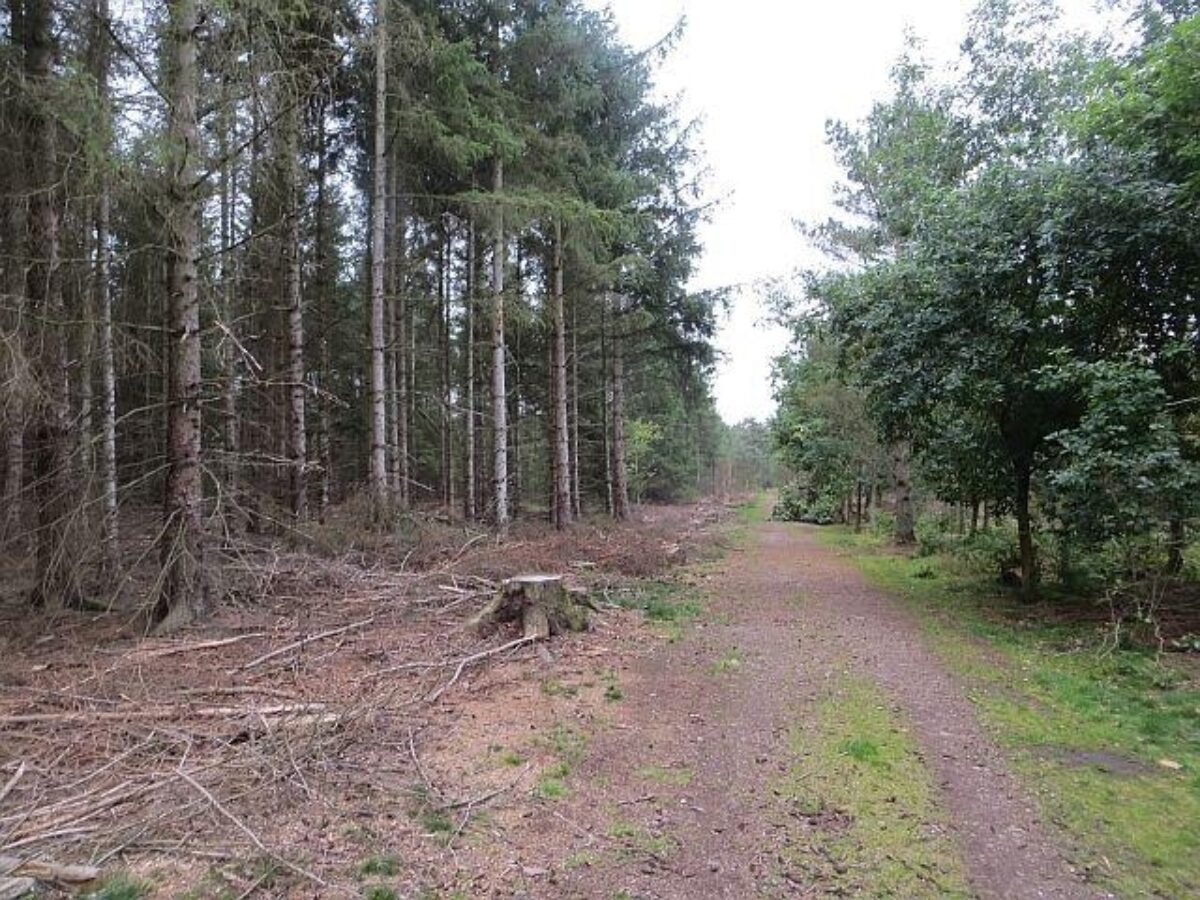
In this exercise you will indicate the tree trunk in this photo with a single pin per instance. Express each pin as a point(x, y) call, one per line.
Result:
point(13, 400)
point(230, 342)
point(324, 291)
point(1025, 532)
point(499, 393)
point(562, 451)
point(57, 578)
point(394, 372)
point(184, 594)
point(402, 355)
point(905, 533)
point(297, 376)
point(974, 517)
point(469, 461)
point(576, 491)
point(620, 475)
point(1176, 541)
point(378, 466)
point(605, 406)
point(858, 506)
point(445, 269)
point(108, 385)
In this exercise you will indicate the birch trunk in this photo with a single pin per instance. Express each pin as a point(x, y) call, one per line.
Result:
point(378, 462)
point(183, 594)
point(499, 392)
point(562, 453)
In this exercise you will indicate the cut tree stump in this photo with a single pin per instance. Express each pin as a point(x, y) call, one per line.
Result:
point(544, 604)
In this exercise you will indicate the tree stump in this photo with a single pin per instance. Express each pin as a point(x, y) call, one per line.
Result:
point(544, 604)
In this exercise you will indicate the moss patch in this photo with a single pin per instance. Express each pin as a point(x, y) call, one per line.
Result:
point(863, 819)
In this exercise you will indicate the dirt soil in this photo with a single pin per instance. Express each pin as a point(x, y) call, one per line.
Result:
point(335, 739)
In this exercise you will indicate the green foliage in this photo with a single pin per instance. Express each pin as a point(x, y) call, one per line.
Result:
point(1019, 306)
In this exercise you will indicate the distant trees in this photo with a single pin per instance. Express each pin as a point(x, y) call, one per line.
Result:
point(1021, 305)
point(258, 258)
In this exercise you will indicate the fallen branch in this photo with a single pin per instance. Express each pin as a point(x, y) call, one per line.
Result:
point(466, 661)
point(189, 648)
point(46, 870)
point(167, 712)
point(245, 829)
point(297, 645)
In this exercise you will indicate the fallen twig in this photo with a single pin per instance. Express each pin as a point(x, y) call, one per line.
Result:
point(12, 782)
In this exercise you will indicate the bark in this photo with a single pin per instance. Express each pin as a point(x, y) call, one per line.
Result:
point(974, 517)
point(562, 452)
point(297, 386)
point(499, 392)
point(1025, 532)
point(57, 579)
point(378, 462)
point(905, 532)
point(183, 595)
point(620, 474)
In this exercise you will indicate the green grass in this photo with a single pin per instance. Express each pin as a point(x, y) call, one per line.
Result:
point(1088, 725)
point(119, 887)
point(379, 892)
point(661, 601)
point(728, 664)
point(675, 776)
point(858, 780)
point(384, 864)
point(549, 788)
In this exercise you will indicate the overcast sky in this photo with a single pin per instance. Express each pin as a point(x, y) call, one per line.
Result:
point(765, 76)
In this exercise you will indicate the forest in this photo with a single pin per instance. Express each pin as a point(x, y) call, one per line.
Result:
point(373, 524)
point(1009, 332)
point(274, 263)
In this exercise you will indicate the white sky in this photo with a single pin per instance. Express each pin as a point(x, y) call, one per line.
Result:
point(764, 76)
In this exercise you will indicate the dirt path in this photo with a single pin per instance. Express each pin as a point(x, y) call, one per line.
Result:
point(689, 764)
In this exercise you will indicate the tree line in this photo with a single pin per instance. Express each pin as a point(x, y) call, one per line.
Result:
point(1012, 319)
point(268, 259)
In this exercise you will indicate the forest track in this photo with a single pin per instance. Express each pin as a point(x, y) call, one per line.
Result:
point(795, 616)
